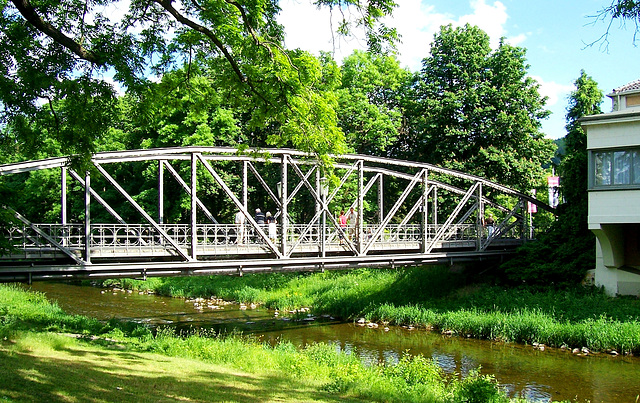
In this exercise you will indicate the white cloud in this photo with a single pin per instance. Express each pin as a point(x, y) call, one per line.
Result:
point(490, 18)
point(557, 94)
point(517, 40)
point(309, 28)
point(553, 90)
point(416, 23)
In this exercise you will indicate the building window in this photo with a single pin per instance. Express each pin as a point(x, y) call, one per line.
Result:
point(616, 168)
point(633, 100)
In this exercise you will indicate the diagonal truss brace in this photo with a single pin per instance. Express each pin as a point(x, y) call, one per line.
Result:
point(46, 236)
point(240, 206)
point(452, 217)
point(144, 214)
point(266, 187)
point(394, 209)
point(502, 228)
point(187, 188)
point(416, 206)
point(366, 189)
point(95, 194)
point(325, 206)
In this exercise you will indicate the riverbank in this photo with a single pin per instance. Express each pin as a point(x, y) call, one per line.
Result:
point(46, 354)
point(583, 320)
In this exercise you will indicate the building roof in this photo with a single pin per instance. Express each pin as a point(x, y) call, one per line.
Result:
point(632, 86)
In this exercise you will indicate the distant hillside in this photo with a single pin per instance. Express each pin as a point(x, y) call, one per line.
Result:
point(560, 152)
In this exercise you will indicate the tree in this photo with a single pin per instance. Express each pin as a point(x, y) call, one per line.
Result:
point(567, 251)
point(369, 111)
point(476, 110)
point(623, 10)
point(50, 47)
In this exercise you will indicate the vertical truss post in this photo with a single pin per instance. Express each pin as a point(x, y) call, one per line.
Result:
point(424, 208)
point(318, 191)
point(245, 191)
point(160, 191)
point(283, 203)
point(434, 207)
point(480, 218)
point(320, 205)
point(380, 199)
point(63, 196)
point(323, 239)
point(194, 223)
point(359, 223)
point(87, 217)
point(63, 204)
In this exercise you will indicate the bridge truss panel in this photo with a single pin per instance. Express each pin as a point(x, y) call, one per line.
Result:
point(435, 213)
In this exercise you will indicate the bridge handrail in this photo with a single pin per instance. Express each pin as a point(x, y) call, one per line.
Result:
point(144, 235)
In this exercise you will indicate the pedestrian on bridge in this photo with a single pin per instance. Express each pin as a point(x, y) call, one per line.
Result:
point(342, 220)
point(271, 224)
point(239, 220)
point(259, 217)
point(353, 223)
point(489, 223)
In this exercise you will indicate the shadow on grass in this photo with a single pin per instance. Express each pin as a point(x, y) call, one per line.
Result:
point(81, 373)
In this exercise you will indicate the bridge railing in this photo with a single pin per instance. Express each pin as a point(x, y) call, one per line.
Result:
point(218, 238)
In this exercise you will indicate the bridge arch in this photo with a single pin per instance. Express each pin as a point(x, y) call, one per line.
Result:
point(436, 216)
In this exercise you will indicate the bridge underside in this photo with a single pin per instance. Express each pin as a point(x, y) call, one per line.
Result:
point(239, 265)
point(429, 220)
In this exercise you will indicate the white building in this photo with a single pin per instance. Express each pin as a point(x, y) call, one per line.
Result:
point(613, 143)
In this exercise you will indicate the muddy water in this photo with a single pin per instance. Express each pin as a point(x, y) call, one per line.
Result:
point(541, 376)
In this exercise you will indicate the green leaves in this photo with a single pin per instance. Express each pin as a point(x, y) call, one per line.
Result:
point(567, 250)
point(474, 109)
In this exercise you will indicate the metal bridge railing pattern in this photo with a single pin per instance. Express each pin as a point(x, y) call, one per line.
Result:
point(213, 239)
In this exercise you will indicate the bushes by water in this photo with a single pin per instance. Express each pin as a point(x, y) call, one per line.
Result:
point(435, 298)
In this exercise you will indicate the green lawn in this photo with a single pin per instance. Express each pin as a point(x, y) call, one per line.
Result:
point(53, 367)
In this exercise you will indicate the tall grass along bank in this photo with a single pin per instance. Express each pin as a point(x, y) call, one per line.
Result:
point(437, 299)
point(40, 361)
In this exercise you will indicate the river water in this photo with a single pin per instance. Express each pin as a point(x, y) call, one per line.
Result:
point(552, 374)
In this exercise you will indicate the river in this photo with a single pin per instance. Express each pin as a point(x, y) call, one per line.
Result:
point(542, 376)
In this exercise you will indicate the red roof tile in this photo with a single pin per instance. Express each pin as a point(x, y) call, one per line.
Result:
point(634, 85)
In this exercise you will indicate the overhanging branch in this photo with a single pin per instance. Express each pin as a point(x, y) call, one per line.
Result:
point(30, 14)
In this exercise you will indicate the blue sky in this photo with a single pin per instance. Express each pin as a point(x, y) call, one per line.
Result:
point(556, 34)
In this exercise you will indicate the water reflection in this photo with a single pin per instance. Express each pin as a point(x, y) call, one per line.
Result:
point(522, 370)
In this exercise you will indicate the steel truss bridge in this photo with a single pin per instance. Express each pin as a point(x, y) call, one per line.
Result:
point(435, 218)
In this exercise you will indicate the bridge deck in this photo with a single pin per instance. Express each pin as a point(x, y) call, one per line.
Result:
point(118, 249)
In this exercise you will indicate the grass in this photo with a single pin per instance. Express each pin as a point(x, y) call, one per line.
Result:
point(435, 298)
point(123, 362)
point(47, 367)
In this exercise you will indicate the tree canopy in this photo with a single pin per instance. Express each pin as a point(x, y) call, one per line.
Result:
point(474, 109)
point(54, 51)
point(567, 250)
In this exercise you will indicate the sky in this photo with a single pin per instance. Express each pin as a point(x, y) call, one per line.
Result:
point(558, 35)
